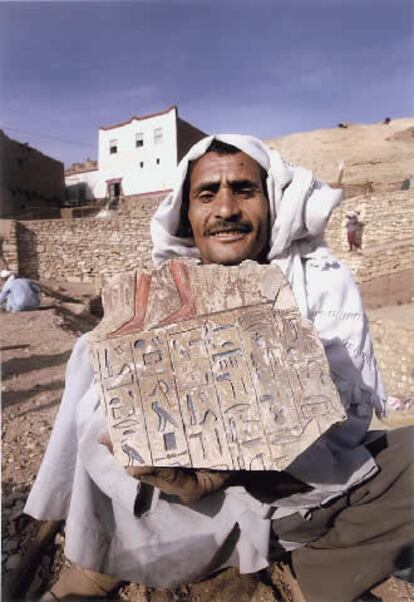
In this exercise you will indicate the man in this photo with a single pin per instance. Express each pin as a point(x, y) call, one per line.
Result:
point(20, 293)
point(342, 507)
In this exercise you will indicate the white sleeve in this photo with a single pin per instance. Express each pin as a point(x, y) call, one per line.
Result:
point(336, 309)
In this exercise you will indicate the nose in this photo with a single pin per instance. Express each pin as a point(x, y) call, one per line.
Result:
point(226, 204)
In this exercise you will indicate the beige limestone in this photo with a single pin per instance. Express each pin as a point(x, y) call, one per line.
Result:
point(210, 366)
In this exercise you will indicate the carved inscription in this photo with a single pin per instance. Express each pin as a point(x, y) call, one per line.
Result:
point(245, 388)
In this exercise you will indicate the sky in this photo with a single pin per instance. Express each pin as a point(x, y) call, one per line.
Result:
point(262, 67)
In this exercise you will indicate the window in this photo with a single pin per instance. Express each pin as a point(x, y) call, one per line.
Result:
point(139, 139)
point(141, 163)
point(158, 161)
point(113, 147)
point(158, 133)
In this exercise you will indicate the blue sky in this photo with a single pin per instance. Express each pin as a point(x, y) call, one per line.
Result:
point(264, 67)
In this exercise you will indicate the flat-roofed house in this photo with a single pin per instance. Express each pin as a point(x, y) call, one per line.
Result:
point(136, 156)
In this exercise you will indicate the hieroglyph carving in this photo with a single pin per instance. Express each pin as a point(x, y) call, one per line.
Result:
point(210, 366)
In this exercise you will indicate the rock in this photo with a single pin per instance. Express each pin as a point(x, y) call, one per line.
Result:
point(228, 585)
point(9, 500)
point(35, 586)
point(160, 596)
point(12, 529)
point(134, 592)
point(285, 582)
point(59, 539)
point(10, 545)
point(12, 562)
point(16, 515)
point(264, 593)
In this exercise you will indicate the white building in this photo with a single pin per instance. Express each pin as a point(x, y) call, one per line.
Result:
point(137, 156)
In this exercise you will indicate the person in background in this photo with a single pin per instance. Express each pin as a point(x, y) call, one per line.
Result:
point(19, 294)
point(351, 230)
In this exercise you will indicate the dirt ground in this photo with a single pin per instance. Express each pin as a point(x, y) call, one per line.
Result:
point(35, 347)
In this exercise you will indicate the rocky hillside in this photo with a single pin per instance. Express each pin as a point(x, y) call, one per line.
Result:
point(382, 154)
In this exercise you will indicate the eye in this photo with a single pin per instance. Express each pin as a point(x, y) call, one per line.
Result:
point(205, 197)
point(246, 191)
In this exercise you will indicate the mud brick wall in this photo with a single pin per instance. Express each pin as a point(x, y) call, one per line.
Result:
point(386, 218)
point(87, 249)
point(394, 350)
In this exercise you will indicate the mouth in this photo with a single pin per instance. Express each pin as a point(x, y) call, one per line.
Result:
point(235, 232)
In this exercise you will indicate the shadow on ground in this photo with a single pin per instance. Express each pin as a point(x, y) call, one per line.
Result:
point(19, 365)
point(11, 398)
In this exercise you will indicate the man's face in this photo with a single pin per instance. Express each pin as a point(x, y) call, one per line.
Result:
point(228, 209)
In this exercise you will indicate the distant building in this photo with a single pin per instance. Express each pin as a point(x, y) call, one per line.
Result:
point(136, 156)
point(31, 183)
point(80, 181)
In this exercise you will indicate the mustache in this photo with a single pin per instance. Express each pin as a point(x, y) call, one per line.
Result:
point(224, 225)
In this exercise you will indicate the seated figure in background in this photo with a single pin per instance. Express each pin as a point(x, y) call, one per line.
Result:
point(20, 294)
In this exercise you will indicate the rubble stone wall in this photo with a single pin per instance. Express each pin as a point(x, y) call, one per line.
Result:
point(8, 245)
point(385, 218)
point(394, 350)
point(87, 249)
point(390, 259)
point(83, 249)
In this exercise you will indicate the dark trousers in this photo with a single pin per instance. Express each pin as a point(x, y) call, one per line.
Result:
point(364, 536)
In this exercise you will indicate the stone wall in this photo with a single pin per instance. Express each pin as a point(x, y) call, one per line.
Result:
point(87, 249)
point(385, 218)
point(381, 260)
point(384, 266)
point(8, 245)
point(394, 350)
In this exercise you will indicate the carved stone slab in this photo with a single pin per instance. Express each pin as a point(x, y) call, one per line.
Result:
point(211, 367)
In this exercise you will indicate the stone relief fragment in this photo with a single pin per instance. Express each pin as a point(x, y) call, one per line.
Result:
point(210, 366)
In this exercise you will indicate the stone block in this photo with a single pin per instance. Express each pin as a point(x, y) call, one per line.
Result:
point(210, 366)
point(7, 246)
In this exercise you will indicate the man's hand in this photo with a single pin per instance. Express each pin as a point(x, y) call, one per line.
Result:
point(188, 484)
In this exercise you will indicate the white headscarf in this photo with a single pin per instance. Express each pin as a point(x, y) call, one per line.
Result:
point(300, 207)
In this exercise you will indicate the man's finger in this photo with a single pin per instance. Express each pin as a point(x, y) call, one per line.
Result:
point(139, 471)
point(167, 486)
